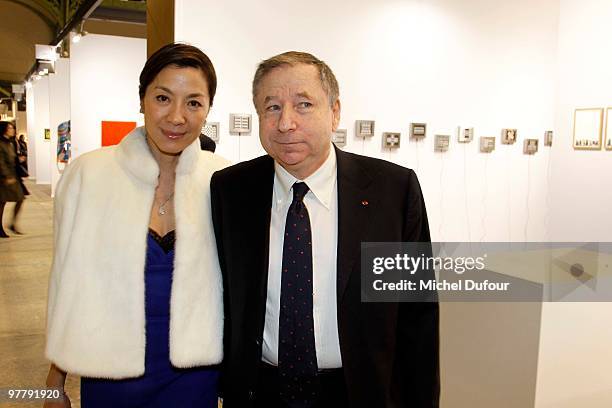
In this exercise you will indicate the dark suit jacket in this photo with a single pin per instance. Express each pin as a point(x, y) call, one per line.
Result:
point(206, 143)
point(389, 350)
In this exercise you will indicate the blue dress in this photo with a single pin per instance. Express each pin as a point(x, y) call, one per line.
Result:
point(162, 385)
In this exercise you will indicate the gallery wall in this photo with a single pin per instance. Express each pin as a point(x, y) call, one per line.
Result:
point(41, 154)
point(31, 131)
point(575, 358)
point(59, 111)
point(98, 82)
point(581, 182)
point(104, 74)
point(443, 62)
point(486, 64)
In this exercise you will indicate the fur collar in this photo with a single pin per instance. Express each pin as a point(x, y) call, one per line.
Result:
point(135, 157)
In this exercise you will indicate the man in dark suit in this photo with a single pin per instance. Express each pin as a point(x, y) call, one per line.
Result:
point(289, 227)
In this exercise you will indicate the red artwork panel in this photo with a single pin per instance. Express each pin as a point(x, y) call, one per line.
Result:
point(113, 132)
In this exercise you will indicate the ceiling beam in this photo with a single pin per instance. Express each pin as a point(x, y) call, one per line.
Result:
point(82, 11)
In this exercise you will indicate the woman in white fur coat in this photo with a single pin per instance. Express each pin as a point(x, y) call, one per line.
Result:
point(135, 294)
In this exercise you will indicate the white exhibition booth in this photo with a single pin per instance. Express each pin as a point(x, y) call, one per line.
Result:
point(99, 82)
point(449, 63)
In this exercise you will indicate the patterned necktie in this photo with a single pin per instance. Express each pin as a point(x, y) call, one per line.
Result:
point(297, 356)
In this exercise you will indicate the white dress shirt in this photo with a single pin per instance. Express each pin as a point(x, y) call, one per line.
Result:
point(322, 204)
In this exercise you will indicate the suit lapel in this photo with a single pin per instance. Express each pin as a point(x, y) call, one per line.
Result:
point(355, 204)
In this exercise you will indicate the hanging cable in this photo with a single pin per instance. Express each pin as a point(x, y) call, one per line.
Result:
point(363, 145)
point(441, 200)
point(547, 196)
point(527, 196)
point(509, 190)
point(484, 199)
point(416, 144)
point(465, 192)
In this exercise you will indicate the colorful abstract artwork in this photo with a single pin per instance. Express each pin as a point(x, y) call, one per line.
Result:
point(64, 144)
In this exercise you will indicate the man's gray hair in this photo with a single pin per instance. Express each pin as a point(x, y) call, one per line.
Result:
point(292, 58)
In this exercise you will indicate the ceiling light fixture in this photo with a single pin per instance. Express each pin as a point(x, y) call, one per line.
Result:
point(79, 34)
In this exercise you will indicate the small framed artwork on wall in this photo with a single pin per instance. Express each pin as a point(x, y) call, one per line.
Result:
point(391, 140)
point(530, 146)
point(588, 123)
point(465, 135)
point(487, 144)
point(508, 136)
point(548, 136)
point(339, 137)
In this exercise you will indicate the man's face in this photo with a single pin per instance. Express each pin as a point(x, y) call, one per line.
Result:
point(295, 118)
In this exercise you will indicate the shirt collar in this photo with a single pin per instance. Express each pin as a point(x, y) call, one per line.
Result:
point(321, 183)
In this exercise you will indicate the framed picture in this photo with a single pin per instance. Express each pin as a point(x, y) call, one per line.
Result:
point(487, 144)
point(441, 143)
point(418, 130)
point(548, 135)
point(588, 124)
point(211, 129)
point(608, 129)
point(391, 140)
point(465, 135)
point(64, 144)
point(339, 137)
point(47, 134)
point(530, 146)
point(364, 128)
point(508, 136)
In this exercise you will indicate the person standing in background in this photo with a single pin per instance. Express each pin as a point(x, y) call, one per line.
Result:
point(11, 186)
point(206, 143)
point(23, 147)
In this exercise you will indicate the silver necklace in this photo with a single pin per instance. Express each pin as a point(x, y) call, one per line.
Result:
point(162, 207)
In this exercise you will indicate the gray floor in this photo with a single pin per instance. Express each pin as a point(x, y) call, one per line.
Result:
point(24, 268)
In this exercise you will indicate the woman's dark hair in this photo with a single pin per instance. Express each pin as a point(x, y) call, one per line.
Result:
point(4, 125)
point(182, 56)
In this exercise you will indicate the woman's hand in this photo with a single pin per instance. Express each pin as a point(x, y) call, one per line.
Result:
point(10, 180)
point(56, 379)
point(64, 402)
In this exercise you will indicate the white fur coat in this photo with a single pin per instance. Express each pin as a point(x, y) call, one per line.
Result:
point(96, 306)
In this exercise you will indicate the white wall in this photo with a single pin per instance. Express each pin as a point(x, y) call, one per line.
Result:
point(59, 111)
point(99, 82)
point(575, 357)
point(104, 74)
point(42, 150)
point(581, 184)
point(444, 62)
point(31, 131)
point(483, 63)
